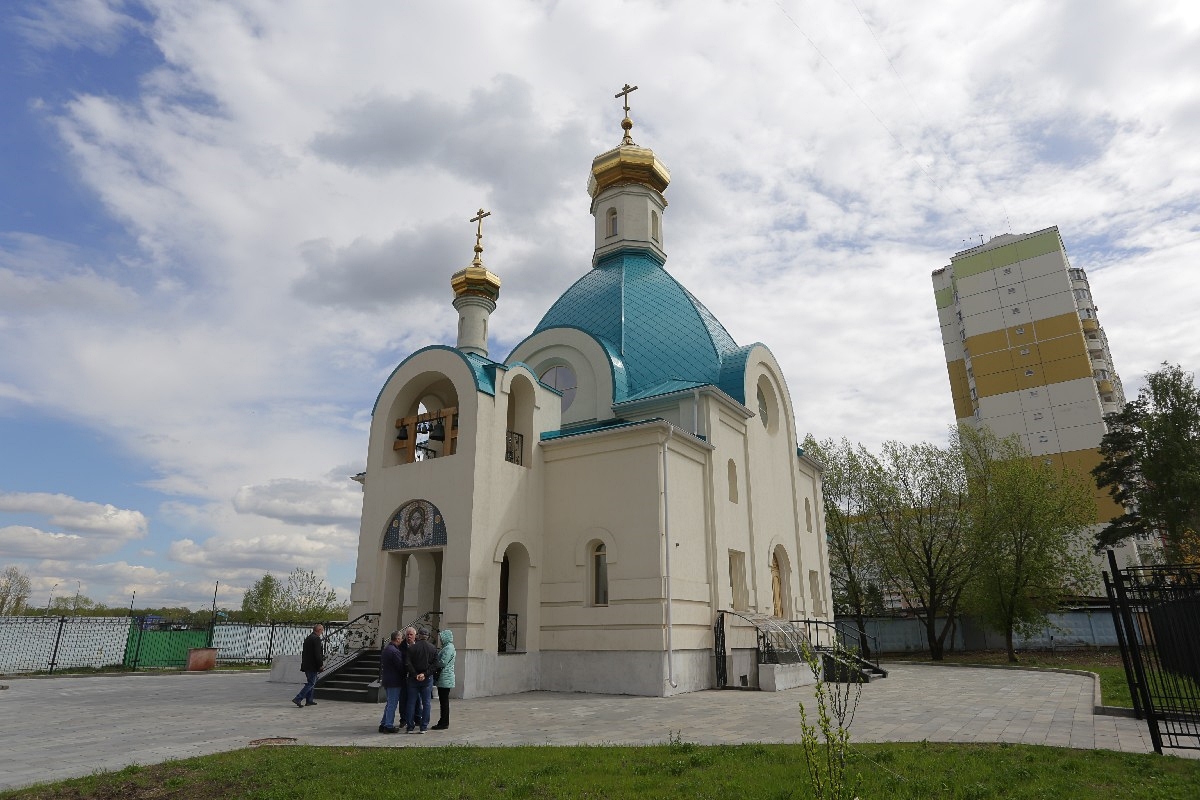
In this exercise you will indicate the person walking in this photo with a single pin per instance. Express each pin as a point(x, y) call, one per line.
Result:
point(312, 660)
point(393, 677)
point(420, 660)
point(445, 678)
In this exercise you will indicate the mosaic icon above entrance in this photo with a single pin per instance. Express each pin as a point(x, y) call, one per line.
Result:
point(418, 523)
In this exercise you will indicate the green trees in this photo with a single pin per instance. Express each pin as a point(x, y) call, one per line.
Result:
point(304, 597)
point(14, 590)
point(1151, 463)
point(849, 529)
point(262, 602)
point(917, 497)
point(1026, 520)
point(976, 525)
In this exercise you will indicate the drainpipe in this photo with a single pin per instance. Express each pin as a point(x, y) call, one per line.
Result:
point(667, 562)
point(695, 412)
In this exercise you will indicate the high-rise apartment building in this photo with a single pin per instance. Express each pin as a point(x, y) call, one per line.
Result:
point(1025, 350)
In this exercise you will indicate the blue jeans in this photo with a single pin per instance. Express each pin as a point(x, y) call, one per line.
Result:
point(418, 691)
point(306, 693)
point(389, 708)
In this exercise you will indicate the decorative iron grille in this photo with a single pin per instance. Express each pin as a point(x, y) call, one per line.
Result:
point(1157, 614)
point(430, 621)
point(514, 447)
point(360, 633)
point(508, 633)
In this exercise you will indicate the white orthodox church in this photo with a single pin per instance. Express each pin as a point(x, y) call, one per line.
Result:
point(579, 512)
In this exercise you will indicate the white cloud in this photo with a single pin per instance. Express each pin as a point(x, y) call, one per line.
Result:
point(302, 501)
point(93, 24)
point(298, 188)
point(98, 520)
point(22, 541)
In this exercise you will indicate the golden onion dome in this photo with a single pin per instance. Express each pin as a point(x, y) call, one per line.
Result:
point(628, 163)
point(475, 279)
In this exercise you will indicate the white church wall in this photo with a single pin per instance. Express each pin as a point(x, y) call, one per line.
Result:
point(731, 517)
point(486, 673)
point(589, 362)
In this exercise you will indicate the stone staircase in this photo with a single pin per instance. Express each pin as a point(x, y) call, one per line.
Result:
point(846, 667)
point(351, 681)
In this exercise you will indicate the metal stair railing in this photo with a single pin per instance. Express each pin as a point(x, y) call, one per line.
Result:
point(838, 636)
point(342, 643)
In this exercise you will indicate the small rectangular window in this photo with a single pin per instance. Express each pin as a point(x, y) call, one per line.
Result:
point(1043, 439)
point(1008, 270)
point(1037, 415)
point(1033, 392)
point(1020, 331)
point(1028, 373)
point(1024, 351)
point(1012, 290)
point(737, 581)
point(1017, 310)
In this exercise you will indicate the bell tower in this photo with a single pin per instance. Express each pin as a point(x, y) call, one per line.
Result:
point(626, 186)
point(475, 293)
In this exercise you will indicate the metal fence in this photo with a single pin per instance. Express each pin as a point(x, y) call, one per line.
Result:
point(58, 644)
point(1156, 611)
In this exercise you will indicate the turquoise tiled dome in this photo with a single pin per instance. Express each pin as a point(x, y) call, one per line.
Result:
point(664, 336)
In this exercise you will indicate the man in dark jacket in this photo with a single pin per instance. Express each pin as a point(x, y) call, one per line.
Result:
point(393, 678)
point(421, 658)
point(312, 659)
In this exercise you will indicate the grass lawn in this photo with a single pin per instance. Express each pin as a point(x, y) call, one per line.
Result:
point(1104, 661)
point(673, 770)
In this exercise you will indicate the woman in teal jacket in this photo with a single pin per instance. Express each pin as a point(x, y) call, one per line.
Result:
point(445, 678)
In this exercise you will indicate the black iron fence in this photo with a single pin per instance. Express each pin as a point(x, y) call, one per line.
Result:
point(1156, 611)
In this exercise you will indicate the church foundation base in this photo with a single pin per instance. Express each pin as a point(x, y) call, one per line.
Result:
point(640, 673)
point(625, 672)
point(778, 677)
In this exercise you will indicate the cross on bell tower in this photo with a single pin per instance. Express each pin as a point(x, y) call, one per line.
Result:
point(626, 123)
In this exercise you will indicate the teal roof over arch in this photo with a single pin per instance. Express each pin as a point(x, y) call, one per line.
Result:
point(648, 323)
point(483, 370)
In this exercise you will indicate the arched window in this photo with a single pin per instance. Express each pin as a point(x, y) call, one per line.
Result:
point(808, 515)
point(655, 234)
point(563, 379)
point(763, 416)
point(733, 487)
point(610, 224)
point(599, 576)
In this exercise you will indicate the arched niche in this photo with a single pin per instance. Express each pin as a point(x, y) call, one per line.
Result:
point(425, 408)
point(519, 433)
point(781, 582)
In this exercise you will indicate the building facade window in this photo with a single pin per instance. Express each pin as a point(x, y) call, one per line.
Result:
point(739, 589)
point(610, 223)
point(562, 378)
point(731, 468)
point(599, 574)
point(655, 232)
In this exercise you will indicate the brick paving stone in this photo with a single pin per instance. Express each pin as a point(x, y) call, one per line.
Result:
point(72, 726)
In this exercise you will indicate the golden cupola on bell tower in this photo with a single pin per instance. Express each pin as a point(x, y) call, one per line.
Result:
point(626, 185)
point(475, 293)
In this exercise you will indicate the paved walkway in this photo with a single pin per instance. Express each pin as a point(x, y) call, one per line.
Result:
point(71, 726)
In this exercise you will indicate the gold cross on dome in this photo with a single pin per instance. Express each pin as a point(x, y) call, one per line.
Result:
point(478, 218)
point(625, 93)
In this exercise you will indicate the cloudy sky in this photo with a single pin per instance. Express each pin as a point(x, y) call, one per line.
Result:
point(224, 222)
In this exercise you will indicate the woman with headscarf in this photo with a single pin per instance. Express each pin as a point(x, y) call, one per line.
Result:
point(445, 678)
